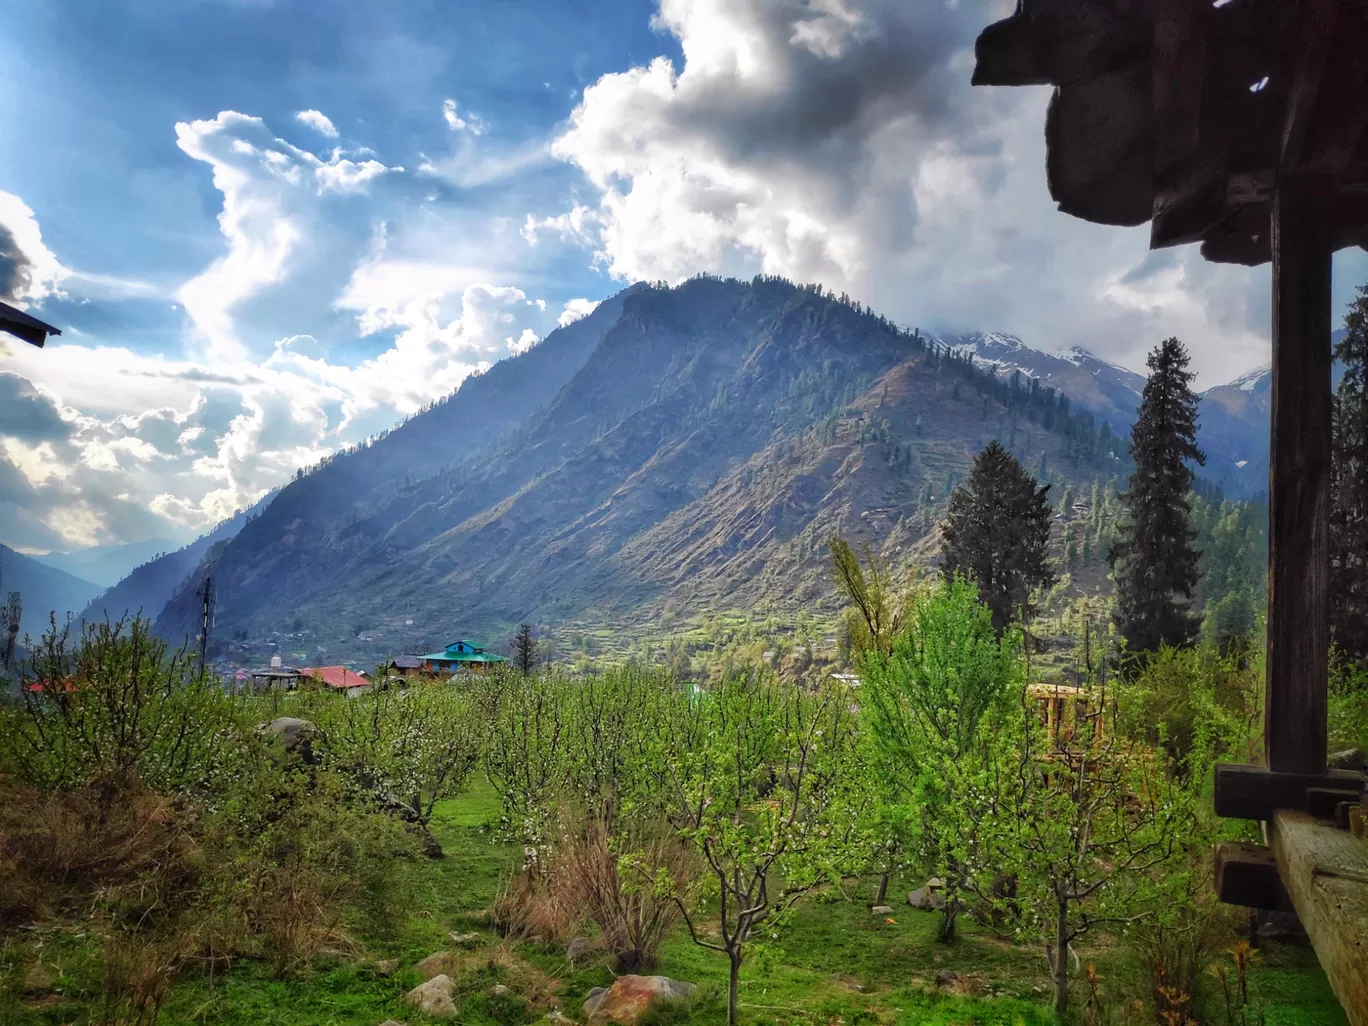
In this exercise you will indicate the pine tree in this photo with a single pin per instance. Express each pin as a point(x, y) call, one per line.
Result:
point(525, 650)
point(1154, 559)
point(996, 534)
point(1349, 490)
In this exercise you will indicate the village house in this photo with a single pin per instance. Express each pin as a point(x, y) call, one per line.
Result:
point(460, 655)
point(338, 678)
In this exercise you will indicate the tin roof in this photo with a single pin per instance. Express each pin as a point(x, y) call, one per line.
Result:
point(335, 676)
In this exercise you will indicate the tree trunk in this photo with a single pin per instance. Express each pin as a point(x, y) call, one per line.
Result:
point(1061, 960)
point(732, 982)
point(882, 896)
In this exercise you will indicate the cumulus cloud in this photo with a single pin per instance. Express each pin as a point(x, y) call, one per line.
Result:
point(840, 141)
point(318, 121)
point(271, 194)
point(28, 270)
point(575, 309)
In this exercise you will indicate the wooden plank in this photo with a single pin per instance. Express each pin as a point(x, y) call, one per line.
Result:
point(1254, 792)
point(1247, 874)
point(1298, 635)
point(1315, 26)
point(1326, 874)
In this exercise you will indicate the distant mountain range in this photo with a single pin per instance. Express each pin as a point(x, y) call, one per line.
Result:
point(107, 565)
point(150, 586)
point(1233, 418)
point(678, 449)
point(44, 590)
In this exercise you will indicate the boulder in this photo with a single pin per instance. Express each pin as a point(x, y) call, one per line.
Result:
point(1349, 759)
point(296, 734)
point(881, 910)
point(436, 998)
point(386, 967)
point(631, 997)
point(466, 940)
point(437, 964)
point(926, 899)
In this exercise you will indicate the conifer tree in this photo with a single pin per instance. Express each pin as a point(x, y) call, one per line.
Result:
point(996, 534)
point(1154, 560)
point(1349, 490)
point(525, 650)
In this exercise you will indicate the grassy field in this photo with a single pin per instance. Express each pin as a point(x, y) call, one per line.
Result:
point(838, 964)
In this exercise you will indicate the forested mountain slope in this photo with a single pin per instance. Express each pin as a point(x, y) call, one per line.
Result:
point(689, 446)
point(45, 590)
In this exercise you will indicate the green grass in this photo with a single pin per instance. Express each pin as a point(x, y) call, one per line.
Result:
point(835, 964)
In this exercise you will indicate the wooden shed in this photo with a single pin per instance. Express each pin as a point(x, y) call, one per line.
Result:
point(1239, 125)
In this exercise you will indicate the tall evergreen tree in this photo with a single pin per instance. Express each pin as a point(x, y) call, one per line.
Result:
point(1155, 560)
point(996, 534)
point(525, 650)
point(1349, 490)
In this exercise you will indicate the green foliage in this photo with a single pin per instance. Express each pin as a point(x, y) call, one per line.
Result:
point(1155, 561)
point(929, 704)
point(118, 704)
point(763, 784)
point(996, 533)
point(1349, 490)
point(876, 614)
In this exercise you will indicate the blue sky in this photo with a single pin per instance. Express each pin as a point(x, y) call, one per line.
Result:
point(269, 228)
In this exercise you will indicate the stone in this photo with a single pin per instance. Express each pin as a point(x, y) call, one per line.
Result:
point(555, 1018)
point(881, 910)
point(631, 997)
point(947, 978)
point(1349, 759)
point(466, 940)
point(498, 989)
point(925, 899)
point(37, 978)
point(575, 950)
point(436, 998)
point(296, 734)
point(392, 1022)
point(386, 967)
point(437, 964)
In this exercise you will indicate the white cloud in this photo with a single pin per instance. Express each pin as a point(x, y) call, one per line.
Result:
point(840, 141)
point(318, 121)
point(470, 122)
point(575, 309)
point(28, 270)
point(271, 193)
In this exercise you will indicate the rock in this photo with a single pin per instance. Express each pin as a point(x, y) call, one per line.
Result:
point(926, 899)
point(391, 1022)
point(575, 950)
point(1349, 759)
point(297, 735)
point(466, 940)
point(437, 964)
point(947, 978)
point(498, 989)
point(631, 997)
point(881, 910)
point(386, 967)
point(968, 985)
point(436, 998)
point(38, 978)
point(555, 1018)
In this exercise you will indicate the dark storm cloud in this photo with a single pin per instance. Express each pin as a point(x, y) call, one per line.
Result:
point(15, 268)
point(27, 414)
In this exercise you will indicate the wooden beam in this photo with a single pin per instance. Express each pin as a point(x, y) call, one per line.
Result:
point(1254, 792)
point(1325, 872)
point(1298, 636)
point(1314, 22)
point(1247, 874)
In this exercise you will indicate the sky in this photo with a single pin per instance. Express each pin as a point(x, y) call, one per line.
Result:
point(271, 228)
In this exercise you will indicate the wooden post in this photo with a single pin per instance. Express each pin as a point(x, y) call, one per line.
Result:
point(1299, 481)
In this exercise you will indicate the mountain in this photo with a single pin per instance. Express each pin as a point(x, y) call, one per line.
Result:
point(1234, 429)
point(44, 590)
point(150, 586)
point(678, 449)
point(1110, 392)
point(106, 565)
